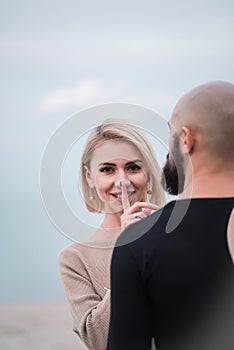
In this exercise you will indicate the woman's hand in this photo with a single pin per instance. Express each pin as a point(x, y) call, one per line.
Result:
point(136, 212)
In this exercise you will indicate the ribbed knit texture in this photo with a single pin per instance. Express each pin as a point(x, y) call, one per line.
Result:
point(85, 273)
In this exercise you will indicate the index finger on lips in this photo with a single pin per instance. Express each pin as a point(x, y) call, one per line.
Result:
point(125, 199)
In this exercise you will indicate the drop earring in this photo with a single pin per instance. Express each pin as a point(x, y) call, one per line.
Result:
point(149, 193)
point(91, 196)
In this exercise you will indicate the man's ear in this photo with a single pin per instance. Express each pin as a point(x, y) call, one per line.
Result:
point(89, 177)
point(187, 140)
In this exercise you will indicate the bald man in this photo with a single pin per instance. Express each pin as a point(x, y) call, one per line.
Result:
point(172, 274)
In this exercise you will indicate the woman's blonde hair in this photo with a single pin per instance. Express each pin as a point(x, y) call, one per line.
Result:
point(117, 129)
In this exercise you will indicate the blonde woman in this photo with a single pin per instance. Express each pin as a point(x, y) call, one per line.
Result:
point(120, 178)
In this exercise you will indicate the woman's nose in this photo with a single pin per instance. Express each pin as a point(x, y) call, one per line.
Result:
point(122, 180)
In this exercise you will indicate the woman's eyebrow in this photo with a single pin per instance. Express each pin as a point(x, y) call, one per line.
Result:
point(106, 163)
point(113, 164)
point(134, 161)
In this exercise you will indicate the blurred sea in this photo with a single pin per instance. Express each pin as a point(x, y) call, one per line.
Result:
point(34, 314)
point(29, 247)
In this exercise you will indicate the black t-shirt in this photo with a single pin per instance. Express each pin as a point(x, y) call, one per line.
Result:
point(172, 278)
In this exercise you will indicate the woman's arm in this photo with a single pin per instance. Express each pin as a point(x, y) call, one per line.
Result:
point(89, 310)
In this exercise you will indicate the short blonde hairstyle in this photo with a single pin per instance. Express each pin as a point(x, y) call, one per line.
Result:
point(118, 129)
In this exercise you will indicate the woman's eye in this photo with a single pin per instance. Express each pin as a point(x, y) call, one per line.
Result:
point(106, 169)
point(133, 167)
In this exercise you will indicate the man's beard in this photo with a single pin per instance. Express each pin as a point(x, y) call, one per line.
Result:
point(173, 176)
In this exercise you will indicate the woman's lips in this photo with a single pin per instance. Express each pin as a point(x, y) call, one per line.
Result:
point(118, 196)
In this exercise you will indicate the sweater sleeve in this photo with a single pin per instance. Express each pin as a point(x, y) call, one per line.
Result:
point(90, 312)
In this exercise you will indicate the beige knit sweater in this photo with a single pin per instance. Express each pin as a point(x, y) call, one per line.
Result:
point(85, 273)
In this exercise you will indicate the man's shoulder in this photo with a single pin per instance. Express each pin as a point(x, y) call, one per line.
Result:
point(140, 230)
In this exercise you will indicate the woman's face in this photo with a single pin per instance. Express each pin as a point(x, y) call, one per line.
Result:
point(113, 162)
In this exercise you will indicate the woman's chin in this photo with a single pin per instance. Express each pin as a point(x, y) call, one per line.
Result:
point(114, 207)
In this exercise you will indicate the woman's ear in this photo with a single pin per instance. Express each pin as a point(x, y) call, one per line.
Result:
point(187, 140)
point(89, 177)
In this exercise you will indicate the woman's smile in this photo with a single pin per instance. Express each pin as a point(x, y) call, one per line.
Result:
point(118, 195)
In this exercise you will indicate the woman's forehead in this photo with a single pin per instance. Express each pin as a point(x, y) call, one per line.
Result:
point(115, 150)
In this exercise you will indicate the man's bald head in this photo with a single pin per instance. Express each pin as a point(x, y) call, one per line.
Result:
point(208, 110)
